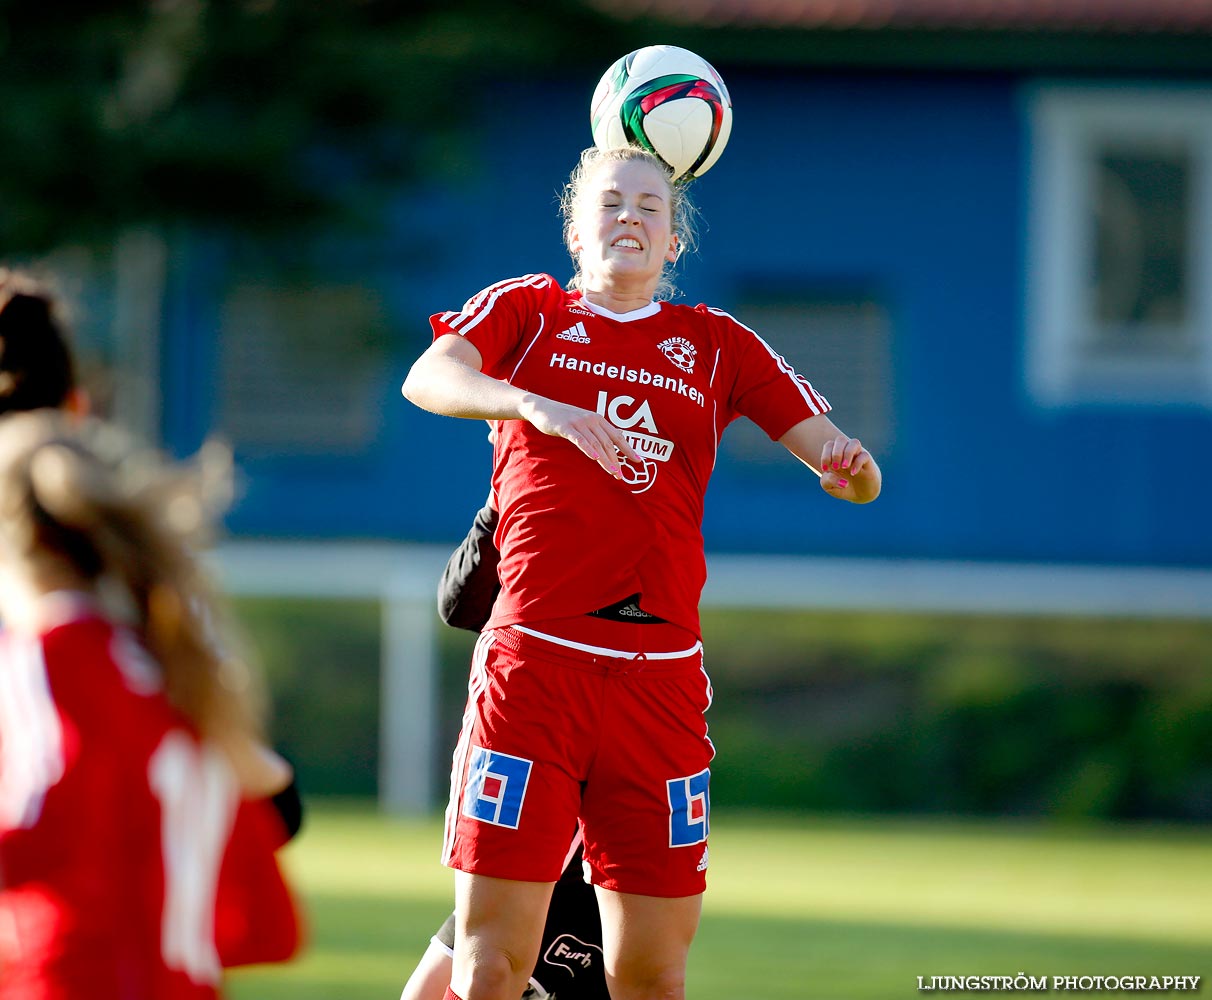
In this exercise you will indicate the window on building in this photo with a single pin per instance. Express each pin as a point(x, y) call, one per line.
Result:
point(842, 345)
point(1120, 246)
point(298, 368)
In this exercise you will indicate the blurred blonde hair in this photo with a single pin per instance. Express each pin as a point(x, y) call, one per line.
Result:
point(682, 212)
point(128, 522)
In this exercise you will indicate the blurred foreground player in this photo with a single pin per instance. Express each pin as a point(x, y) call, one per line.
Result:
point(38, 370)
point(137, 837)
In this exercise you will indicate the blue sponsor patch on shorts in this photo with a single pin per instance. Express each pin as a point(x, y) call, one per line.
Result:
point(689, 809)
point(496, 787)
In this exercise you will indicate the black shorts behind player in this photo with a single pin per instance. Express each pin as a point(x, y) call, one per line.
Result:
point(570, 957)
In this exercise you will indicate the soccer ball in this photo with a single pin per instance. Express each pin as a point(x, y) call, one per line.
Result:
point(668, 100)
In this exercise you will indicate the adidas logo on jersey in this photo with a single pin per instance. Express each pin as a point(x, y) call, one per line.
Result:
point(703, 861)
point(575, 333)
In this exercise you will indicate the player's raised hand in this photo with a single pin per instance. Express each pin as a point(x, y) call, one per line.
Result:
point(848, 471)
point(592, 433)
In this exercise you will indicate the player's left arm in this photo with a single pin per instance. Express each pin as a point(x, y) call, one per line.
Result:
point(846, 468)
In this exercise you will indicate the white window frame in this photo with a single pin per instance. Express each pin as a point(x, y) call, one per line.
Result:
point(1067, 124)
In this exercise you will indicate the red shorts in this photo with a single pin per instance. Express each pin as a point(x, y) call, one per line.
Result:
point(553, 734)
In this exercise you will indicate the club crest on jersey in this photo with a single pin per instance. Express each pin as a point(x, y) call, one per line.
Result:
point(689, 809)
point(635, 418)
point(680, 351)
point(576, 333)
point(496, 787)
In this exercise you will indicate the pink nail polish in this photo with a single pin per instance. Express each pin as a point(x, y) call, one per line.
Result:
point(843, 482)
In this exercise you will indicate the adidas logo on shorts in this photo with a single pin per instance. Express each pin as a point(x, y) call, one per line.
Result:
point(575, 333)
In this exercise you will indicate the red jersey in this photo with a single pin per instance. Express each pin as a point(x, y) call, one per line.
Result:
point(116, 827)
point(572, 538)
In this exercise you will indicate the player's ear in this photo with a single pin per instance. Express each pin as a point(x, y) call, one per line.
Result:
point(574, 240)
point(675, 249)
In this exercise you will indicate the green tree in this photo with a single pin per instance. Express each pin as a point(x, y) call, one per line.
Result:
point(260, 114)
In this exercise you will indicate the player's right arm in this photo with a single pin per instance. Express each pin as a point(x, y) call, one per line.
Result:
point(448, 379)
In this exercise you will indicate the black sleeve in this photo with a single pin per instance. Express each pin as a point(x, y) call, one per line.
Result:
point(469, 584)
point(289, 806)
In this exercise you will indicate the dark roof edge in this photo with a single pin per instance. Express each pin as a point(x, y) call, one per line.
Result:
point(952, 50)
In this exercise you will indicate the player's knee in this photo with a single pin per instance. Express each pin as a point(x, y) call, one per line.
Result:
point(496, 972)
point(653, 983)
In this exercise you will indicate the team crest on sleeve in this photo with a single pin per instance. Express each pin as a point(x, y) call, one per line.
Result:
point(496, 787)
point(689, 809)
point(680, 351)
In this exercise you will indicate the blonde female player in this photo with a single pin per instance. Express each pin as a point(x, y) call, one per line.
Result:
point(136, 840)
point(588, 692)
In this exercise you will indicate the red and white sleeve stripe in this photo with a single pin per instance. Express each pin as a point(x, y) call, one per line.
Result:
point(480, 306)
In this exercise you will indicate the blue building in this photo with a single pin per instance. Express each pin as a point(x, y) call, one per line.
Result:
point(983, 231)
point(987, 239)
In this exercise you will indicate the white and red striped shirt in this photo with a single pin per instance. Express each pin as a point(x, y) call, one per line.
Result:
point(672, 377)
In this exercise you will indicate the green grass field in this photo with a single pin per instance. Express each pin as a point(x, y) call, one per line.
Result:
point(800, 907)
